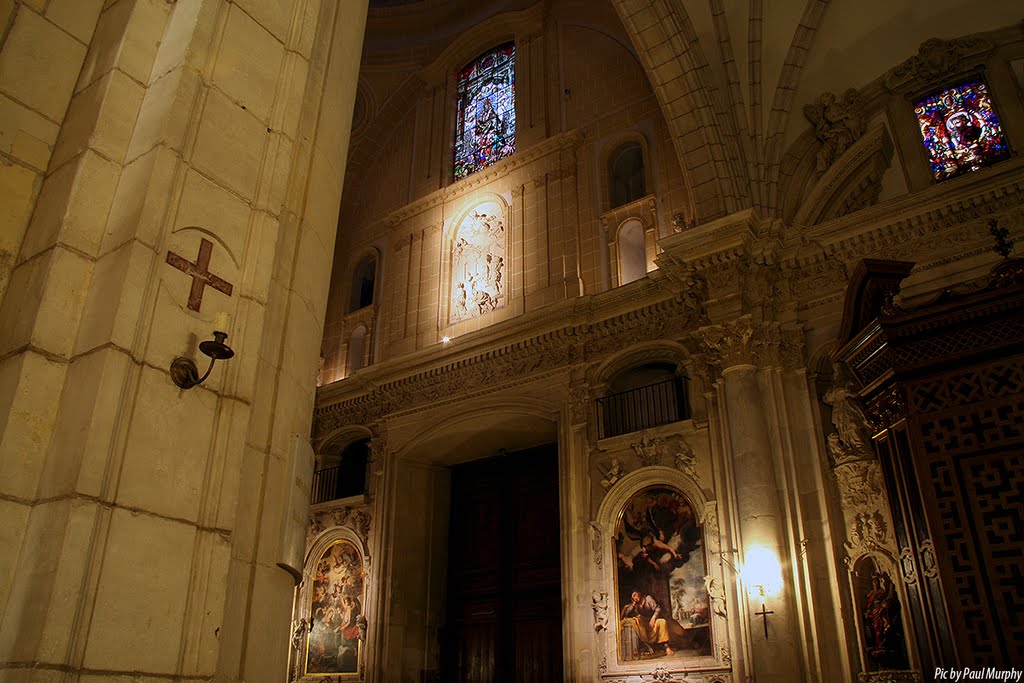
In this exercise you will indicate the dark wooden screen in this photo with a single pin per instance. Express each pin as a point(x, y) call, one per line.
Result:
point(945, 385)
point(504, 613)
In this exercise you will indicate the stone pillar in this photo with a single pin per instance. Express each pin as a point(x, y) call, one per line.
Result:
point(739, 348)
point(145, 520)
point(579, 656)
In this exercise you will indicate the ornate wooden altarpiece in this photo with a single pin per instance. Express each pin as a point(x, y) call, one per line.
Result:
point(943, 384)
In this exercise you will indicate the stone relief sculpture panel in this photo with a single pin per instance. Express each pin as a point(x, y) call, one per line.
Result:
point(478, 260)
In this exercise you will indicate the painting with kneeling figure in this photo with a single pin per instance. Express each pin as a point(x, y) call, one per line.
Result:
point(336, 613)
point(663, 605)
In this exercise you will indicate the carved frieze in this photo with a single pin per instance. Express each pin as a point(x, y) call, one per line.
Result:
point(514, 363)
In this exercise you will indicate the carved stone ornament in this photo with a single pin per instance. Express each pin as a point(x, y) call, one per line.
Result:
point(850, 440)
point(597, 543)
point(745, 342)
point(662, 674)
point(860, 483)
point(936, 60)
point(356, 518)
point(868, 531)
point(730, 342)
point(599, 603)
point(685, 458)
point(649, 449)
point(612, 476)
point(716, 591)
point(838, 123)
point(579, 404)
point(711, 520)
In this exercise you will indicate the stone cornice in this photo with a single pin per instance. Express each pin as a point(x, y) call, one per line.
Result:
point(952, 203)
point(523, 349)
point(564, 141)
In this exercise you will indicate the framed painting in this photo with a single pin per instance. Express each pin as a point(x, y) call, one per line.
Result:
point(334, 643)
point(663, 604)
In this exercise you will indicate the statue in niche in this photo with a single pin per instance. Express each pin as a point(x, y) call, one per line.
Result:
point(882, 623)
point(478, 263)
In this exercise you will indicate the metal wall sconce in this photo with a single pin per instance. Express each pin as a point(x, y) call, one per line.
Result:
point(184, 372)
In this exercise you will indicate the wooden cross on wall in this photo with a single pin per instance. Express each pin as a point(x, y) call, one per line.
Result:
point(200, 272)
point(764, 615)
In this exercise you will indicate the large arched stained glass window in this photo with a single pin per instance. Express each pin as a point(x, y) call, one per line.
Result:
point(485, 129)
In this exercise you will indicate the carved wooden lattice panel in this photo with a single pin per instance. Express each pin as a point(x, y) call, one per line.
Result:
point(970, 461)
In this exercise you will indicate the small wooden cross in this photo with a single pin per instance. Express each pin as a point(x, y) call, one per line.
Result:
point(764, 615)
point(201, 275)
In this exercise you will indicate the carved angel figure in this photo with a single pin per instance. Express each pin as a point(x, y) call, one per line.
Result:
point(837, 124)
point(612, 476)
point(599, 603)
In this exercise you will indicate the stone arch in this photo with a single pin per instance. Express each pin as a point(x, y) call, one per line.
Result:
point(685, 104)
point(604, 158)
point(661, 350)
point(605, 526)
point(495, 417)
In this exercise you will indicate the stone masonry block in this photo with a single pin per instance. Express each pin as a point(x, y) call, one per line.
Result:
point(39, 64)
point(248, 65)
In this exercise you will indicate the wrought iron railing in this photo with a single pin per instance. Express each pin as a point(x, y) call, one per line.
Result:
point(325, 485)
point(641, 408)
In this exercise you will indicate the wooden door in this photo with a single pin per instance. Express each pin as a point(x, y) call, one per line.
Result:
point(504, 616)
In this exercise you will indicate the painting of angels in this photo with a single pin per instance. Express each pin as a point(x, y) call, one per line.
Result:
point(337, 625)
point(662, 601)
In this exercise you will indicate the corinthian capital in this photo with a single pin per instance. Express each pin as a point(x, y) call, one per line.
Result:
point(745, 342)
point(730, 343)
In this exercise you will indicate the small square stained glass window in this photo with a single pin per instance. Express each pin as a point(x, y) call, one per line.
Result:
point(485, 126)
point(961, 130)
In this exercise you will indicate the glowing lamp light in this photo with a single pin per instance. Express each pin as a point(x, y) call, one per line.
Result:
point(761, 572)
point(446, 340)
